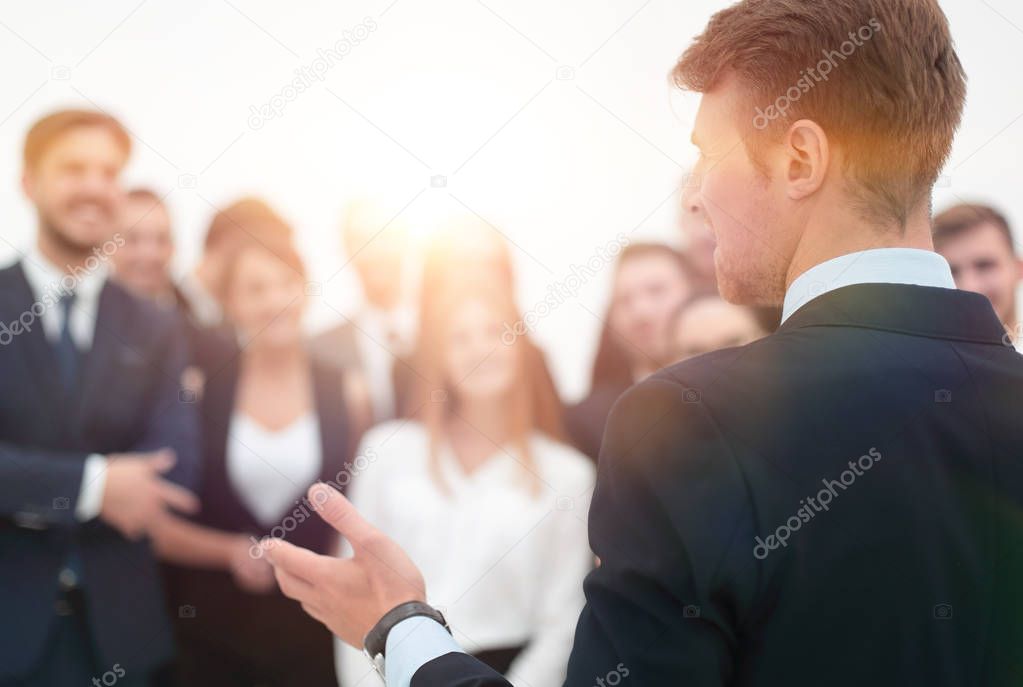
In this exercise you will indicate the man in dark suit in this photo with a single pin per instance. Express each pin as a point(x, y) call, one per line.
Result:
point(96, 439)
point(837, 503)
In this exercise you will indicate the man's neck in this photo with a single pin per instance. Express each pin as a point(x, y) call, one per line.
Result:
point(825, 240)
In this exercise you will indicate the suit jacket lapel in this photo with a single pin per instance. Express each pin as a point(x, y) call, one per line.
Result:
point(40, 358)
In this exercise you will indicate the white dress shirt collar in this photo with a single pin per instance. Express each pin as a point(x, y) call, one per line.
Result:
point(49, 283)
point(876, 266)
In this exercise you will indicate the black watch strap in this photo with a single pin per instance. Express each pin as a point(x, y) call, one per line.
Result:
point(376, 639)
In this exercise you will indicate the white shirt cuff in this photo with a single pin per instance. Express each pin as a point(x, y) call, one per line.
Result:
point(94, 481)
point(413, 643)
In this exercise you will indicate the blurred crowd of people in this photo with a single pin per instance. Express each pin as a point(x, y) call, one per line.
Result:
point(154, 429)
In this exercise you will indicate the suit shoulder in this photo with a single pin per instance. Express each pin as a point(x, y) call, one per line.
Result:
point(9, 270)
point(698, 371)
point(154, 315)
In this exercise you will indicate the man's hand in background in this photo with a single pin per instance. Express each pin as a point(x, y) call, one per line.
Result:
point(136, 496)
point(348, 595)
point(254, 575)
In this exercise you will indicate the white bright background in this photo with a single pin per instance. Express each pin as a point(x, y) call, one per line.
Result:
point(460, 88)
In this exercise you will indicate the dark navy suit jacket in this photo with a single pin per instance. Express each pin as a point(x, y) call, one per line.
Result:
point(128, 400)
point(874, 446)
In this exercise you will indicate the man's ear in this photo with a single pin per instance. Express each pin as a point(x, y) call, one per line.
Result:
point(809, 155)
point(27, 184)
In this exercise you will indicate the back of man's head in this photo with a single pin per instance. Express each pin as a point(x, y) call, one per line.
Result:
point(881, 77)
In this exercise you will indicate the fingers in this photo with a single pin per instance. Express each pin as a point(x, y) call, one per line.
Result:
point(293, 587)
point(341, 514)
point(178, 498)
point(162, 460)
point(294, 560)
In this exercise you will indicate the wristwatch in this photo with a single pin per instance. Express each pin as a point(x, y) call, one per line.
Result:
point(375, 643)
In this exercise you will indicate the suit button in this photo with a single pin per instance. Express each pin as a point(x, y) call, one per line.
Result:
point(68, 579)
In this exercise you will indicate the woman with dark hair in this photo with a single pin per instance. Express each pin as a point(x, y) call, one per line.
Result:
point(273, 424)
point(480, 491)
point(651, 283)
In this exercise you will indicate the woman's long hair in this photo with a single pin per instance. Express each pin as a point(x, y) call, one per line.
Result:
point(530, 404)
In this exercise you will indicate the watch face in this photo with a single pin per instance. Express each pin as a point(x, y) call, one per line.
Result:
point(377, 662)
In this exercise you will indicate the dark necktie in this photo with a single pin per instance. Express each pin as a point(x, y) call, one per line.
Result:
point(67, 369)
point(67, 352)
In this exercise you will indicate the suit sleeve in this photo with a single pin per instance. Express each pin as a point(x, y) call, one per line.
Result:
point(457, 670)
point(40, 487)
point(172, 419)
point(667, 516)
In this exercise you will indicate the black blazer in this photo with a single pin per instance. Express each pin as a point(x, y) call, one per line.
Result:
point(907, 572)
point(214, 598)
point(128, 401)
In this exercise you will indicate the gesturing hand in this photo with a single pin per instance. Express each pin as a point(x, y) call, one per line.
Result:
point(348, 595)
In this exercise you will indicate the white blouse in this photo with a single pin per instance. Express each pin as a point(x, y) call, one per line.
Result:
point(505, 567)
point(271, 469)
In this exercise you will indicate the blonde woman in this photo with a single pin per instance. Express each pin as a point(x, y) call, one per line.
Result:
point(481, 492)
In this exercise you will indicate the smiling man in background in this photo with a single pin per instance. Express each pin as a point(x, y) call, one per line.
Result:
point(95, 441)
point(977, 242)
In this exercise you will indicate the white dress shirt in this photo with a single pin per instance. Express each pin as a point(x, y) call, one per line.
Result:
point(270, 470)
point(504, 566)
point(49, 284)
point(415, 642)
point(381, 336)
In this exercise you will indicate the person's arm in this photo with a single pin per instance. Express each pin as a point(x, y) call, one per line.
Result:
point(186, 543)
point(40, 488)
point(196, 546)
point(668, 518)
point(172, 420)
point(43, 489)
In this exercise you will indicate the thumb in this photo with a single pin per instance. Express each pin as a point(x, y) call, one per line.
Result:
point(163, 460)
point(340, 514)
